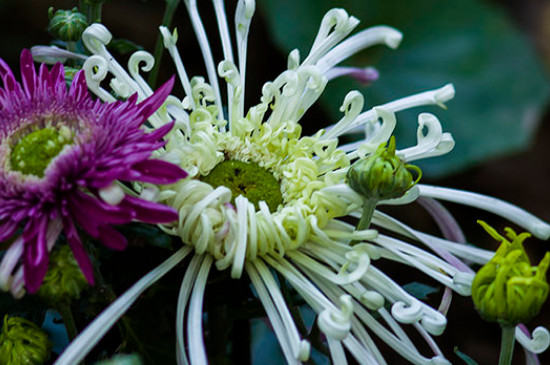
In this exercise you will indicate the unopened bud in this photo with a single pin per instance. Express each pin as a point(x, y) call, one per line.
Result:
point(507, 289)
point(23, 342)
point(382, 175)
point(64, 280)
point(67, 25)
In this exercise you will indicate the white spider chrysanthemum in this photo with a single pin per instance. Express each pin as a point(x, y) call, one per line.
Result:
point(260, 197)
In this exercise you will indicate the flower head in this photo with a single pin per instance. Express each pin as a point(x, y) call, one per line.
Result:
point(63, 158)
point(262, 197)
point(507, 289)
point(23, 342)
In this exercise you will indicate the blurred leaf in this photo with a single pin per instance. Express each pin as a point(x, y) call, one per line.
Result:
point(148, 330)
point(501, 86)
point(419, 290)
point(467, 359)
point(124, 46)
point(140, 234)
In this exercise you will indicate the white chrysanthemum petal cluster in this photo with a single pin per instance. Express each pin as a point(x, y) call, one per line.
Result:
point(329, 262)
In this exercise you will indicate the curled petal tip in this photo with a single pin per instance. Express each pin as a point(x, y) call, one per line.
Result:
point(541, 231)
point(393, 38)
point(444, 94)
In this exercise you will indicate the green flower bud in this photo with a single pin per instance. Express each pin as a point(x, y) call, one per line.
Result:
point(64, 280)
point(507, 289)
point(67, 25)
point(23, 343)
point(122, 359)
point(382, 175)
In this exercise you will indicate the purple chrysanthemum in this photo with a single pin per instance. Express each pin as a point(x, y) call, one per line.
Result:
point(61, 157)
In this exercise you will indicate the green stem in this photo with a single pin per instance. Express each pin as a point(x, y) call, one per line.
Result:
point(71, 47)
point(94, 13)
point(171, 6)
point(68, 319)
point(507, 345)
point(368, 210)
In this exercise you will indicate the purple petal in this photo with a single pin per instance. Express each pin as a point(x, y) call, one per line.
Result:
point(28, 72)
point(111, 238)
point(149, 212)
point(157, 172)
point(57, 75)
point(79, 252)
point(100, 212)
point(158, 133)
point(5, 70)
point(152, 103)
point(35, 260)
point(79, 90)
point(7, 229)
point(44, 76)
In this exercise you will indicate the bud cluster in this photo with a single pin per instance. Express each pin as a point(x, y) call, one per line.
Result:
point(23, 342)
point(507, 289)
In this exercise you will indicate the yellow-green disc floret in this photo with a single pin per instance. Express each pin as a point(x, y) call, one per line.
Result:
point(34, 152)
point(247, 179)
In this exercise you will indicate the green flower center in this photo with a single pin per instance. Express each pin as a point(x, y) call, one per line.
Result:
point(249, 180)
point(34, 152)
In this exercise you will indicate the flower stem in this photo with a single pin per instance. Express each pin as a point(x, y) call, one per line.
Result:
point(68, 319)
point(171, 6)
point(368, 210)
point(507, 344)
point(94, 12)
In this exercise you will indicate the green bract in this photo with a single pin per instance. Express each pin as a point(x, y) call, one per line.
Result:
point(67, 25)
point(382, 175)
point(508, 289)
point(64, 279)
point(23, 343)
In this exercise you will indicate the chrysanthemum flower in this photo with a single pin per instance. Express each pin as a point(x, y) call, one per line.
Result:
point(261, 197)
point(63, 157)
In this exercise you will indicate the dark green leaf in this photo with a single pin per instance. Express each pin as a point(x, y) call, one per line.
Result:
point(140, 234)
point(419, 290)
point(124, 46)
point(467, 359)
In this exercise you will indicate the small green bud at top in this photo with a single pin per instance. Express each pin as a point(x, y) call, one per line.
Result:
point(23, 343)
point(382, 175)
point(67, 25)
point(507, 289)
point(64, 280)
point(122, 359)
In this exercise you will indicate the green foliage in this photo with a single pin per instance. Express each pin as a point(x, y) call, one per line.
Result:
point(500, 86)
point(420, 290)
point(124, 46)
point(467, 359)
